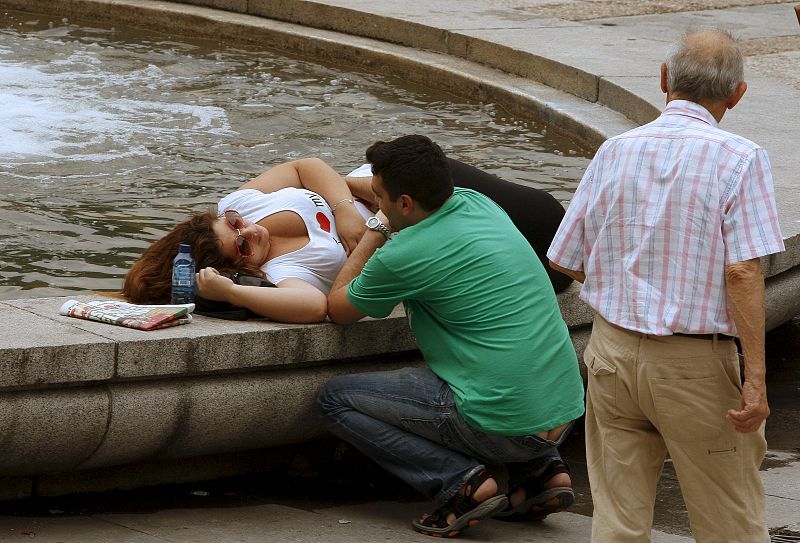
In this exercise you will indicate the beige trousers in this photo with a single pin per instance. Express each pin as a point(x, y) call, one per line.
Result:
point(649, 396)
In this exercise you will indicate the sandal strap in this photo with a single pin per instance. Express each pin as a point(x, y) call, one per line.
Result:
point(458, 504)
point(437, 519)
point(466, 502)
point(534, 483)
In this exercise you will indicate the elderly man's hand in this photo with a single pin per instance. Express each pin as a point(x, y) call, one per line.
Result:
point(754, 411)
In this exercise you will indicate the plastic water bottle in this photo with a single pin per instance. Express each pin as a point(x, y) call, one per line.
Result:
point(183, 276)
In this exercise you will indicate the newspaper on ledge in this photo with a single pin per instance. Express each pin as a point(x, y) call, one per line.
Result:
point(141, 317)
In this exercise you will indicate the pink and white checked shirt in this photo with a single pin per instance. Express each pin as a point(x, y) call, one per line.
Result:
point(659, 213)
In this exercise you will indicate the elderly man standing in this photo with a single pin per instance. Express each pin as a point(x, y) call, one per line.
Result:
point(665, 232)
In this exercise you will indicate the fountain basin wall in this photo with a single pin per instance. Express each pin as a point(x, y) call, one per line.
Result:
point(77, 395)
point(87, 405)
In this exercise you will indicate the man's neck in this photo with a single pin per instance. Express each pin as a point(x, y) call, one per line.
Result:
point(716, 108)
point(420, 214)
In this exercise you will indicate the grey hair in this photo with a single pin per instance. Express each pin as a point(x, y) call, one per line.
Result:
point(706, 65)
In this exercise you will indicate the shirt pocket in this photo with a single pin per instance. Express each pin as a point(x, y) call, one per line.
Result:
point(602, 389)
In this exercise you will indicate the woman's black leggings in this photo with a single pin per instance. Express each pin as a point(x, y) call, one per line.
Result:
point(534, 212)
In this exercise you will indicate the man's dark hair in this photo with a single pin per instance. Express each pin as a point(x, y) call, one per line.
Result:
point(412, 165)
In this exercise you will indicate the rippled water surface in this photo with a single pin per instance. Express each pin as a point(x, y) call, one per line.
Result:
point(107, 139)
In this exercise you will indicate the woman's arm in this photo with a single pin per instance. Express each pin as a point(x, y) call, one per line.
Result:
point(361, 187)
point(315, 175)
point(294, 301)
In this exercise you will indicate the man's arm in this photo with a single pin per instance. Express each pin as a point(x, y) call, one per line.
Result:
point(340, 310)
point(745, 285)
point(579, 276)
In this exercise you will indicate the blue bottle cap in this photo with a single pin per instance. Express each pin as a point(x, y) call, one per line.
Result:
point(185, 248)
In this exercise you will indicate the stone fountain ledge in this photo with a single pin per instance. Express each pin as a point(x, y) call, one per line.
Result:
point(78, 395)
point(78, 399)
point(87, 406)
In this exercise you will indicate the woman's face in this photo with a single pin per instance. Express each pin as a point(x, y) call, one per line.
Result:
point(256, 235)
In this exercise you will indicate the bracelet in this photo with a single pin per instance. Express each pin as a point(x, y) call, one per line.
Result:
point(343, 200)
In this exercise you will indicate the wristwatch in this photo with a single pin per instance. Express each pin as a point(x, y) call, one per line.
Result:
point(374, 223)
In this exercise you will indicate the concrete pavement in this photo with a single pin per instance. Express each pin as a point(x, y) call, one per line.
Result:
point(207, 513)
point(388, 522)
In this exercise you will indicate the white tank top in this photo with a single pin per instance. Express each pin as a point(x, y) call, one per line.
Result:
point(319, 261)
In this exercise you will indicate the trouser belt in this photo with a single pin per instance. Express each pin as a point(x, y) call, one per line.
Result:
point(720, 337)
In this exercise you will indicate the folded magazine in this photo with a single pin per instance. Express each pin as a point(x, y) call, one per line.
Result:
point(141, 317)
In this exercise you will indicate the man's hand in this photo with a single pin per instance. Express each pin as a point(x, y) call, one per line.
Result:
point(384, 219)
point(754, 411)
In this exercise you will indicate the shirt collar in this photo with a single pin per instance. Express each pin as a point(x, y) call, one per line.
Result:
point(690, 109)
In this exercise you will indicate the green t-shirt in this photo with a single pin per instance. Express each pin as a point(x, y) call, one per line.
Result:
point(484, 315)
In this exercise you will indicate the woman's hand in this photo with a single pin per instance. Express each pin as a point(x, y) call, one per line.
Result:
point(213, 286)
point(350, 225)
point(361, 188)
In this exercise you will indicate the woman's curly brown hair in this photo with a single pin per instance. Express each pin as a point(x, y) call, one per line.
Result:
point(149, 281)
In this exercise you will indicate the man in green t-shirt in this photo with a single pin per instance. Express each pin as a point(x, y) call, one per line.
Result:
point(502, 384)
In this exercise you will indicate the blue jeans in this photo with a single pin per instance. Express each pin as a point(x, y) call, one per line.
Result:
point(407, 422)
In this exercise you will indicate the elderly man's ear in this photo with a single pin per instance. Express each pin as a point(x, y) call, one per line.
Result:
point(734, 98)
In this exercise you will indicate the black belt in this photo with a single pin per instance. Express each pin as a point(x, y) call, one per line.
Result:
point(720, 337)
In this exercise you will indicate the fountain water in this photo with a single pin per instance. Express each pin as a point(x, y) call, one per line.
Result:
point(108, 138)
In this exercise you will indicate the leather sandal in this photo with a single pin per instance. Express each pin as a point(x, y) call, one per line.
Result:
point(539, 502)
point(468, 512)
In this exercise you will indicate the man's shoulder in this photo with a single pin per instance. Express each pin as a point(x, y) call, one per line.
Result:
point(470, 197)
point(467, 215)
point(660, 128)
point(465, 193)
point(740, 142)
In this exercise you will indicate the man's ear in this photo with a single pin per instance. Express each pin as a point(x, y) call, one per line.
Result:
point(734, 98)
point(406, 204)
point(664, 78)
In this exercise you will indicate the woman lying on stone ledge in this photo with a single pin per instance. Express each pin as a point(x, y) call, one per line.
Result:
point(294, 225)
